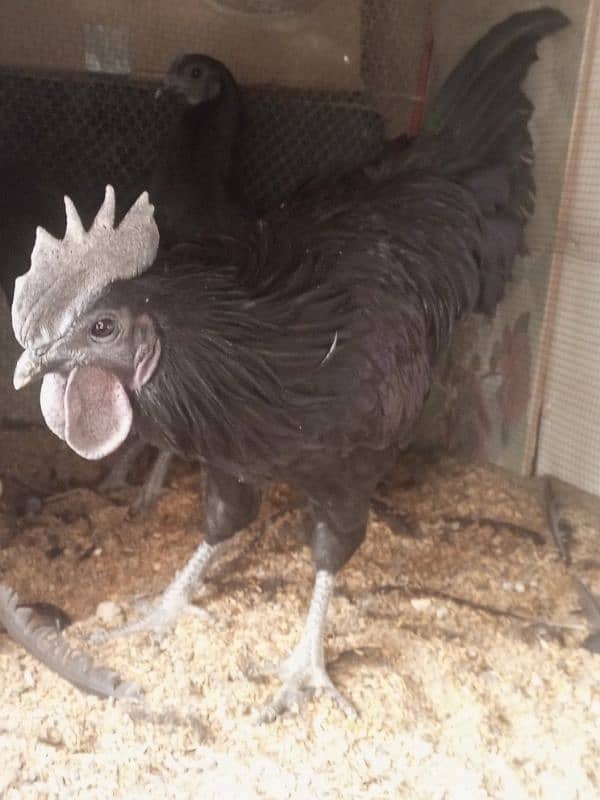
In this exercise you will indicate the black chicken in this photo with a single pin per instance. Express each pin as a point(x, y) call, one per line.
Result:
point(195, 186)
point(194, 189)
point(310, 359)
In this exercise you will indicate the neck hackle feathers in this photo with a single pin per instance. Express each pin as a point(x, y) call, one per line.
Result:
point(66, 275)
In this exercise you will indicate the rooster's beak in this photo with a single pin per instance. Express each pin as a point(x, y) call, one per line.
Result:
point(28, 368)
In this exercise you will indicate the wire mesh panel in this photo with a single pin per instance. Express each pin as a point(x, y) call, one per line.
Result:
point(83, 132)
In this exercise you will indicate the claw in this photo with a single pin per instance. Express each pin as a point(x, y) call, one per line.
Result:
point(300, 686)
point(113, 482)
point(342, 702)
point(304, 673)
point(159, 620)
point(255, 672)
point(117, 477)
point(144, 502)
point(152, 488)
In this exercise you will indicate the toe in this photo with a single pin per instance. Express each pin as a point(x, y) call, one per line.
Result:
point(301, 686)
point(255, 672)
point(268, 714)
point(98, 637)
point(342, 702)
point(113, 484)
point(158, 621)
point(142, 505)
point(288, 701)
point(197, 611)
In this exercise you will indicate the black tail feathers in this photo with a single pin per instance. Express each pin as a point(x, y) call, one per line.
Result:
point(476, 131)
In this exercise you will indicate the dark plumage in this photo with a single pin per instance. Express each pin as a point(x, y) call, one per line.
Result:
point(194, 185)
point(305, 354)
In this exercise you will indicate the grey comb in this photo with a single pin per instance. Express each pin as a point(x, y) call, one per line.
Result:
point(68, 274)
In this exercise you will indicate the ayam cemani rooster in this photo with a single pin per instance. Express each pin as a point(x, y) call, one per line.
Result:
point(309, 359)
point(194, 187)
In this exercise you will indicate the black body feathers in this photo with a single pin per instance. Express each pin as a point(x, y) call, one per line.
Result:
point(305, 352)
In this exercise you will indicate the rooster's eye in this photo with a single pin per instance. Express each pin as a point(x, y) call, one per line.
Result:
point(103, 328)
point(196, 72)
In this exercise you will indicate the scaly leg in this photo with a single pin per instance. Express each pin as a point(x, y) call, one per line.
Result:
point(340, 527)
point(117, 476)
point(304, 672)
point(229, 506)
point(161, 617)
point(152, 487)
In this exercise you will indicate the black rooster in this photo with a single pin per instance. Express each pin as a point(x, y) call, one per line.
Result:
point(194, 189)
point(309, 359)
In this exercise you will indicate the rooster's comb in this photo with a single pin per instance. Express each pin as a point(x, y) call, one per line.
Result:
point(67, 275)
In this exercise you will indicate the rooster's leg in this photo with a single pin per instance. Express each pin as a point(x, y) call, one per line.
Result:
point(340, 527)
point(117, 476)
point(304, 673)
point(152, 487)
point(229, 506)
point(160, 617)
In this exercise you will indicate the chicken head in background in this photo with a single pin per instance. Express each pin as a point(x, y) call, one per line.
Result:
point(195, 185)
